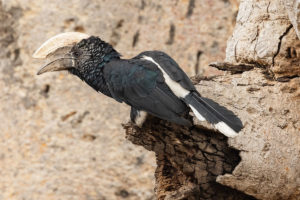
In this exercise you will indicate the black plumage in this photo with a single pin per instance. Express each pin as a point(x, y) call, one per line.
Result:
point(141, 85)
point(151, 82)
point(213, 112)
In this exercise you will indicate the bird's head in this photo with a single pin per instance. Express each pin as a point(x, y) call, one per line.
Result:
point(78, 53)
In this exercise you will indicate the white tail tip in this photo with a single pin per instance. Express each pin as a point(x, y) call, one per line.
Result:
point(225, 129)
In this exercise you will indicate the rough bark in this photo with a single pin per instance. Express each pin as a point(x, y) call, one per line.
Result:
point(188, 160)
point(263, 90)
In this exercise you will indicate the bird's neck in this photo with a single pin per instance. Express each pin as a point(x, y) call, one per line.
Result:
point(93, 74)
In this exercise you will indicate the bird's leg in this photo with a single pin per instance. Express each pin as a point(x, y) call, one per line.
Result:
point(138, 117)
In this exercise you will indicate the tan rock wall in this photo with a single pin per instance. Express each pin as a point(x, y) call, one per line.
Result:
point(61, 140)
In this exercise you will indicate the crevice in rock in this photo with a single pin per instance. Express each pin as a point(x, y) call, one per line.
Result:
point(116, 36)
point(143, 5)
point(279, 43)
point(171, 34)
point(197, 65)
point(286, 78)
point(233, 68)
point(135, 38)
point(10, 51)
point(190, 9)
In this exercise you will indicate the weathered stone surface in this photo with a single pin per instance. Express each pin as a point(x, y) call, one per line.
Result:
point(287, 60)
point(61, 140)
point(270, 141)
point(293, 10)
point(264, 36)
point(193, 32)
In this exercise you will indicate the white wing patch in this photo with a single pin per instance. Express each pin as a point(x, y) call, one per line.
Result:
point(180, 92)
point(198, 115)
point(176, 88)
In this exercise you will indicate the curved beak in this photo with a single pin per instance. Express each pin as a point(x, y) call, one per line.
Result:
point(59, 46)
point(57, 65)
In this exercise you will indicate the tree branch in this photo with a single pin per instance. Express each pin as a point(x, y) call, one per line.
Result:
point(188, 160)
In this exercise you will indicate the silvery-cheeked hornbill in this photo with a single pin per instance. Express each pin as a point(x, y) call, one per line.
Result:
point(152, 82)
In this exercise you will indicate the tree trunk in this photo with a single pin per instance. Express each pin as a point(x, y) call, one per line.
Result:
point(263, 161)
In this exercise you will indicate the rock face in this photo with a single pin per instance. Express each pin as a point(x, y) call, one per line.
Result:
point(270, 140)
point(61, 140)
point(264, 36)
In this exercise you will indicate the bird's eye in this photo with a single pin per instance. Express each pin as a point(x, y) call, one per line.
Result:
point(76, 53)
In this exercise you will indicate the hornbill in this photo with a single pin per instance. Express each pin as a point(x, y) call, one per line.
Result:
point(151, 82)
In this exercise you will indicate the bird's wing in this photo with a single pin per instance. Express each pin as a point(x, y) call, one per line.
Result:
point(140, 84)
point(170, 67)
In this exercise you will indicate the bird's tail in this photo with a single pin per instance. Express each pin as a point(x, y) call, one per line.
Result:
point(207, 110)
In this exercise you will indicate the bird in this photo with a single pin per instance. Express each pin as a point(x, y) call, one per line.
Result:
point(151, 82)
